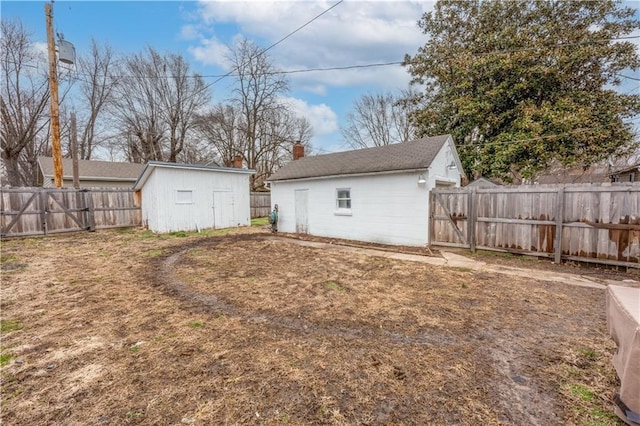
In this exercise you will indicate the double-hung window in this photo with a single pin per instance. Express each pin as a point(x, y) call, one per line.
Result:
point(343, 199)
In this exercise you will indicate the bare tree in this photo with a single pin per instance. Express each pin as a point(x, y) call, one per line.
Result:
point(158, 111)
point(264, 125)
point(219, 127)
point(24, 97)
point(97, 90)
point(376, 120)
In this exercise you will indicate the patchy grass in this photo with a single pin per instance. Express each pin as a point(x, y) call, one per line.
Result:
point(291, 334)
point(587, 382)
point(154, 252)
point(10, 262)
point(9, 325)
point(260, 221)
point(332, 285)
point(5, 359)
point(6, 258)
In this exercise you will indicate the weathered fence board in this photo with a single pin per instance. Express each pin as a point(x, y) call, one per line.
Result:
point(38, 211)
point(592, 223)
point(260, 204)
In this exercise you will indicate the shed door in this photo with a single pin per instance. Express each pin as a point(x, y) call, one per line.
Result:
point(223, 209)
point(302, 211)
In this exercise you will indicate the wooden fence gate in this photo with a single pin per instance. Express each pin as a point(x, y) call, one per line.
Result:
point(39, 211)
point(589, 223)
point(260, 204)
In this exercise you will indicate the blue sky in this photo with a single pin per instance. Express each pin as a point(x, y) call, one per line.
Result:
point(353, 33)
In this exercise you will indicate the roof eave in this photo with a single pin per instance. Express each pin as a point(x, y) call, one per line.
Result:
point(148, 168)
point(382, 172)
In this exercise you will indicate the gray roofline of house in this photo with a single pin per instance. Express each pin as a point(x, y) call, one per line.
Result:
point(396, 158)
point(385, 172)
point(625, 169)
point(153, 164)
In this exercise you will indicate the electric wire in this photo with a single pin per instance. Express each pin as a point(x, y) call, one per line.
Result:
point(344, 67)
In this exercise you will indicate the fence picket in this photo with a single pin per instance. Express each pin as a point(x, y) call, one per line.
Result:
point(594, 223)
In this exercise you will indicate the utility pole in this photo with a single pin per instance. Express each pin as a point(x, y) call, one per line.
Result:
point(54, 106)
point(74, 150)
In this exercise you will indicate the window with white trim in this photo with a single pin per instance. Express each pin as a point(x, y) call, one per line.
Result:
point(343, 198)
point(184, 197)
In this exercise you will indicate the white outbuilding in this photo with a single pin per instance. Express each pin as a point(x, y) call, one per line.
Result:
point(378, 195)
point(188, 197)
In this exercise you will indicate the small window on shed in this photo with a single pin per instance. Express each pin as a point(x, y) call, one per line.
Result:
point(343, 198)
point(184, 197)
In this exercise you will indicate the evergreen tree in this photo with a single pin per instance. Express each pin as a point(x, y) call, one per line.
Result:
point(522, 85)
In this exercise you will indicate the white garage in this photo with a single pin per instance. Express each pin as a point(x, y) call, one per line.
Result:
point(189, 197)
point(378, 195)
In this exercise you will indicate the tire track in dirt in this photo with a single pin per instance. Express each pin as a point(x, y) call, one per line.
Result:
point(166, 278)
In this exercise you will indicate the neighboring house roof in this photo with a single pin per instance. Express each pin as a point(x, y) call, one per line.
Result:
point(152, 165)
point(483, 182)
point(625, 169)
point(593, 174)
point(93, 170)
point(412, 155)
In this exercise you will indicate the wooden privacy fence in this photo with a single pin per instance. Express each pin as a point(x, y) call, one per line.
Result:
point(39, 211)
point(589, 223)
point(260, 204)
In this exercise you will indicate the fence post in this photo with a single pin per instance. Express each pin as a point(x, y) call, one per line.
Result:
point(557, 245)
point(471, 219)
point(90, 210)
point(44, 198)
point(430, 219)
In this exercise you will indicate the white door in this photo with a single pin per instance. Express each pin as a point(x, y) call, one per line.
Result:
point(302, 211)
point(223, 209)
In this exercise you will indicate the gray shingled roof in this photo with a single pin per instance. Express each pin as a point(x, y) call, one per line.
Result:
point(95, 170)
point(416, 154)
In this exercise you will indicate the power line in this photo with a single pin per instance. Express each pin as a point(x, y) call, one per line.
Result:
point(273, 45)
point(206, 87)
point(630, 78)
point(300, 27)
point(339, 68)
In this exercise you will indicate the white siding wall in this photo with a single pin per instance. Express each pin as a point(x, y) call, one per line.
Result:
point(163, 213)
point(385, 208)
point(440, 171)
point(149, 201)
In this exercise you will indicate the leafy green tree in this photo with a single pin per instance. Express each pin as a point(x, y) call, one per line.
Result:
point(522, 85)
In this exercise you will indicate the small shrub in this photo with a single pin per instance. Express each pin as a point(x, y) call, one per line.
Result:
point(196, 324)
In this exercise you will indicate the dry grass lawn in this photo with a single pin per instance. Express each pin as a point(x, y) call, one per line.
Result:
point(127, 327)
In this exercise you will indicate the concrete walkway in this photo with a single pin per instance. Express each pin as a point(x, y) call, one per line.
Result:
point(452, 260)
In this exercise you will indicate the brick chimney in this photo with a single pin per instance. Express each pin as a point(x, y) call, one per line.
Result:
point(237, 162)
point(298, 150)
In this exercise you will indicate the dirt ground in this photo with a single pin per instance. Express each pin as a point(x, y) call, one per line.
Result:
point(127, 327)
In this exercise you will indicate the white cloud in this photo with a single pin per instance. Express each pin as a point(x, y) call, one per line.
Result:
point(211, 52)
point(189, 32)
point(352, 33)
point(322, 118)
